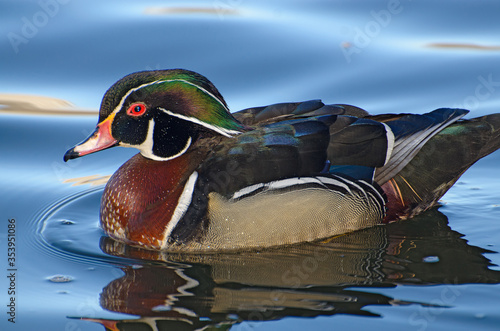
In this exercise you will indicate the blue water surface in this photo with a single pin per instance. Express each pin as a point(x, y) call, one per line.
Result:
point(437, 271)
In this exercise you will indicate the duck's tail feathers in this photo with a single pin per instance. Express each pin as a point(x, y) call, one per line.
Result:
point(439, 164)
point(411, 132)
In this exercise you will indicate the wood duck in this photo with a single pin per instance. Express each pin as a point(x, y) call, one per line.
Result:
point(210, 180)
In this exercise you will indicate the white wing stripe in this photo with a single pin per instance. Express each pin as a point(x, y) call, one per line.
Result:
point(326, 182)
point(390, 142)
point(336, 182)
point(247, 190)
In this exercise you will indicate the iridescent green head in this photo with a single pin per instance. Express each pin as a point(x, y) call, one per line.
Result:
point(159, 112)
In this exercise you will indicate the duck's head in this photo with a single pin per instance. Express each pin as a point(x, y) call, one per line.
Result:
point(161, 113)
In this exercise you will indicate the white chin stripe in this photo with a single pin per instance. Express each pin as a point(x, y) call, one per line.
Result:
point(149, 153)
point(146, 148)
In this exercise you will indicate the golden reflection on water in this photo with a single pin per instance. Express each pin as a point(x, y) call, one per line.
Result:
point(464, 46)
point(25, 104)
point(190, 10)
point(93, 180)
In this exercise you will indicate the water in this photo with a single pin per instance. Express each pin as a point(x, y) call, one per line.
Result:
point(437, 271)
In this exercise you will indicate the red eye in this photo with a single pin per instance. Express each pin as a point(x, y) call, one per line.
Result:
point(136, 109)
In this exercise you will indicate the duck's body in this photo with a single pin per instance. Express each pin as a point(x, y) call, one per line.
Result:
point(208, 180)
point(195, 213)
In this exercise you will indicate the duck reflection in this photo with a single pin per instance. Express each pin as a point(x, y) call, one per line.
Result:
point(174, 291)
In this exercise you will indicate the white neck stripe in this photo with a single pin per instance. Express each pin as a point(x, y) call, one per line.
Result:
point(222, 131)
point(202, 89)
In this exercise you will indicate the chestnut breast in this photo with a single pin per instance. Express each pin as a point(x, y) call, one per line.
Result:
point(141, 197)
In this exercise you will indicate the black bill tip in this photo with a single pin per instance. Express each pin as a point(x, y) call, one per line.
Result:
point(71, 154)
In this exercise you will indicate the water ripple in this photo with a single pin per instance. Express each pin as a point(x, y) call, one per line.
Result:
point(69, 229)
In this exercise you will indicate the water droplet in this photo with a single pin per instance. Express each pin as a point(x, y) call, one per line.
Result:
point(60, 279)
point(431, 259)
point(204, 319)
point(136, 266)
point(65, 244)
point(67, 222)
